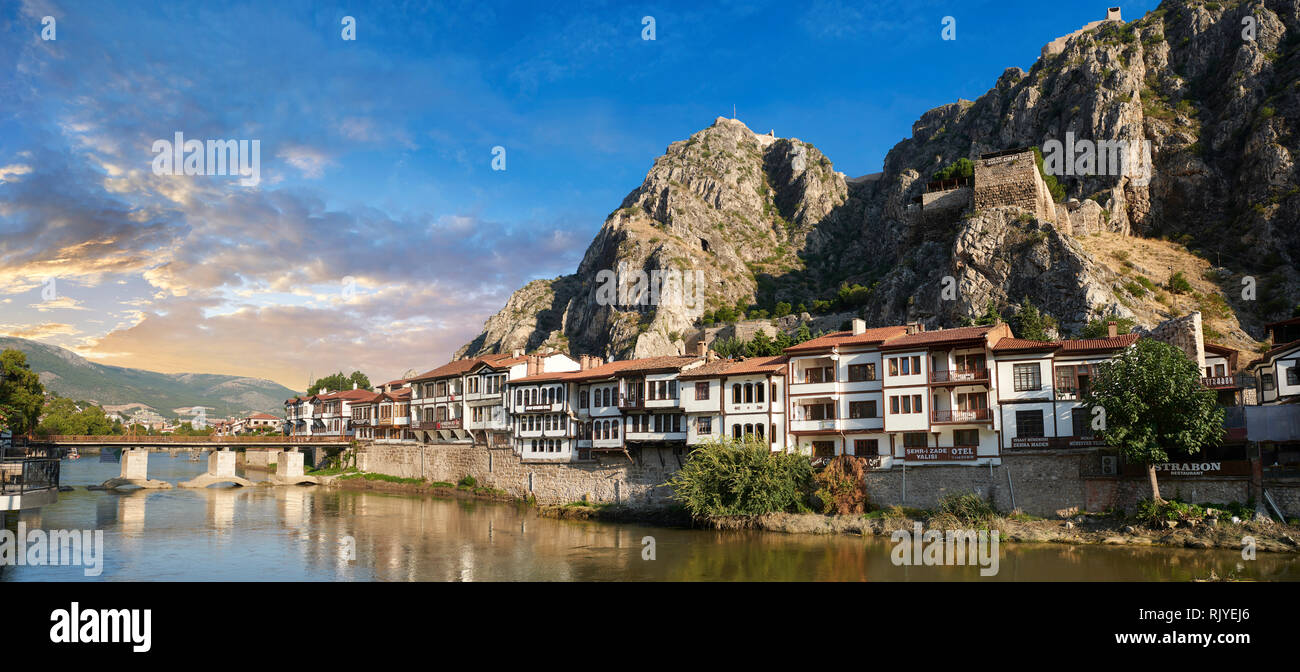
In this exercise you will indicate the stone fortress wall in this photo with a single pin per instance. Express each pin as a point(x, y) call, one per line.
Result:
point(1012, 179)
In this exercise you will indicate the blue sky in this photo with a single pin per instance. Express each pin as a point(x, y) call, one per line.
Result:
point(380, 238)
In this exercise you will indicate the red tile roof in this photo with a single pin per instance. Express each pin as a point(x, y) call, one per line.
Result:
point(714, 368)
point(758, 365)
point(938, 337)
point(872, 336)
point(1076, 346)
point(1025, 345)
point(611, 369)
point(460, 366)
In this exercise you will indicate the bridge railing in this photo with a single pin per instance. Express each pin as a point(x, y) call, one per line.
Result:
point(224, 440)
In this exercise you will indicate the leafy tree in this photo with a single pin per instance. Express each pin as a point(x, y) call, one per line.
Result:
point(802, 334)
point(962, 167)
point(64, 416)
point(1029, 323)
point(990, 316)
point(1179, 284)
point(337, 381)
point(1154, 405)
point(783, 341)
point(852, 296)
point(729, 477)
point(725, 315)
point(801, 309)
point(761, 346)
point(781, 310)
point(21, 391)
point(1099, 328)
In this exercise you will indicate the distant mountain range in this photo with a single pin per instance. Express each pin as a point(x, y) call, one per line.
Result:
point(75, 377)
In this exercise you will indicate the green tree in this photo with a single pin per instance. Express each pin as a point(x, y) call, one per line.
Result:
point(1154, 405)
point(729, 477)
point(337, 382)
point(962, 167)
point(1099, 328)
point(803, 333)
point(761, 346)
point(783, 341)
point(21, 391)
point(1179, 284)
point(1029, 323)
point(65, 416)
point(782, 309)
point(990, 316)
point(725, 315)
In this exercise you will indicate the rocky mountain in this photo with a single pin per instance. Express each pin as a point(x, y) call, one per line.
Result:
point(75, 377)
point(1208, 109)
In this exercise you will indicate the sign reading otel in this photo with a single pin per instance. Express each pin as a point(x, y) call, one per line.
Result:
point(939, 454)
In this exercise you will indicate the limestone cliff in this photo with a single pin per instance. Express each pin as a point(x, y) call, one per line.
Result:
point(1210, 118)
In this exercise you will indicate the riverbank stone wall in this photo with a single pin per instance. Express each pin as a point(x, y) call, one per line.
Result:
point(1041, 483)
point(613, 479)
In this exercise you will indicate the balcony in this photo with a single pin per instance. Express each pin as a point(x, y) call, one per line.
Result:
point(625, 401)
point(960, 377)
point(823, 424)
point(28, 482)
point(956, 417)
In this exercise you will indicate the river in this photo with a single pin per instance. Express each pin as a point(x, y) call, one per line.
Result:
point(305, 533)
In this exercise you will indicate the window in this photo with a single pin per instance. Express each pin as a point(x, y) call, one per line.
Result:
point(866, 447)
point(824, 411)
point(672, 389)
point(893, 366)
point(1029, 424)
point(776, 393)
point(735, 431)
point(1293, 375)
point(823, 448)
point(758, 392)
point(704, 426)
point(749, 393)
point(862, 409)
point(1081, 420)
point(1266, 382)
point(701, 391)
point(916, 440)
point(861, 372)
point(735, 393)
point(966, 437)
point(1027, 377)
point(893, 405)
point(582, 399)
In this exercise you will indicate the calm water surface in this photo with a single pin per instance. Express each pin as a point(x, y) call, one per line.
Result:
point(298, 533)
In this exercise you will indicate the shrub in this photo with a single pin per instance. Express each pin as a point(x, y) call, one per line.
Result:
point(730, 477)
point(843, 486)
point(1156, 513)
point(468, 481)
point(969, 509)
point(1179, 284)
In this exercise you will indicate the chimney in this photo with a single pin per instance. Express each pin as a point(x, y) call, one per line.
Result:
point(354, 384)
point(1112, 330)
point(584, 362)
point(711, 356)
point(701, 348)
point(532, 365)
point(915, 327)
point(859, 327)
point(518, 352)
